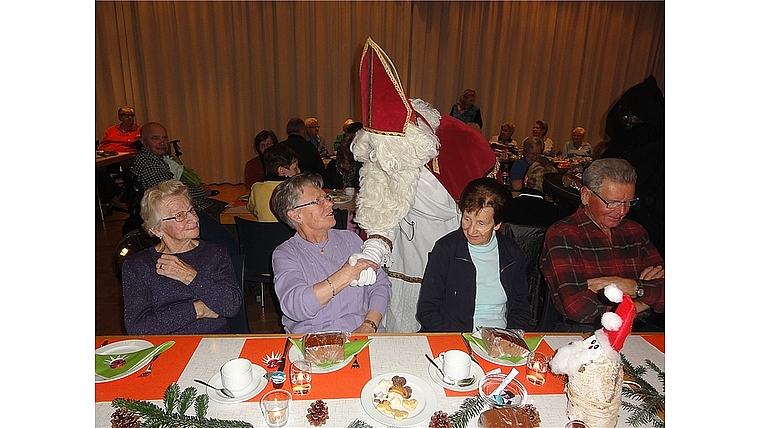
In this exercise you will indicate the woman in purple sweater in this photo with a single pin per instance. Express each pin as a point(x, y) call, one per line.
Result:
point(183, 285)
point(313, 278)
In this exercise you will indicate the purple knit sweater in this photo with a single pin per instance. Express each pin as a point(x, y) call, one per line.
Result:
point(155, 304)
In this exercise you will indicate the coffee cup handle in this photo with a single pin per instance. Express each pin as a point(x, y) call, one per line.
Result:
point(441, 355)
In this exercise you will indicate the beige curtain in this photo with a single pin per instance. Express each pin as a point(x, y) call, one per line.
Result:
point(216, 73)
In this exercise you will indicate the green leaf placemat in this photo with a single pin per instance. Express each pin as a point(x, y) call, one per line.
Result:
point(111, 366)
point(532, 343)
point(349, 349)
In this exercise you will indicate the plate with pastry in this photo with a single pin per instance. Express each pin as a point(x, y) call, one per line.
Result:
point(502, 346)
point(329, 351)
point(340, 199)
point(399, 399)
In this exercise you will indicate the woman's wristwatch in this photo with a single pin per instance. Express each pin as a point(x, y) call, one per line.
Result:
point(371, 324)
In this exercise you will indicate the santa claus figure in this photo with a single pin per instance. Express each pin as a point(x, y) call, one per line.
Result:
point(416, 162)
point(593, 367)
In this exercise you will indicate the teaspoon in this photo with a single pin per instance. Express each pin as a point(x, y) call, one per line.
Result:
point(224, 391)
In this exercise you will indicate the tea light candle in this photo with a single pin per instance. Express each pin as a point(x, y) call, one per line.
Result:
point(275, 415)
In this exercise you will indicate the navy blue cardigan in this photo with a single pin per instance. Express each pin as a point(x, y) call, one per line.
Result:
point(447, 295)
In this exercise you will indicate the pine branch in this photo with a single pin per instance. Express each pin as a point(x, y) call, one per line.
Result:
point(153, 416)
point(358, 423)
point(651, 411)
point(470, 408)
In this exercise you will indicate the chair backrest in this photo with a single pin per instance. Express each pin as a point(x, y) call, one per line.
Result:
point(212, 230)
point(530, 239)
point(239, 324)
point(258, 241)
point(130, 244)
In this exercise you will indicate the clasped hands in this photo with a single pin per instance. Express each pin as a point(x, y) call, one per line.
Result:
point(173, 267)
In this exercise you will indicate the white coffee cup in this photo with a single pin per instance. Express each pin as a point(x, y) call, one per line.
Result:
point(455, 363)
point(237, 374)
point(349, 191)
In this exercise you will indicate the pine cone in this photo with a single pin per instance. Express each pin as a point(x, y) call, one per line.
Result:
point(533, 414)
point(317, 413)
point(440, 420)
point(123, 418)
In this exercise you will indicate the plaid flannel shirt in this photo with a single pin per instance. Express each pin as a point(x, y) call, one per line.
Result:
point(576, 250)
point(151, 169)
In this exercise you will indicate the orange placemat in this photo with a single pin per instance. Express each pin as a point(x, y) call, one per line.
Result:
point(554, 384)
point(656, 340)
point(239, 203)
point(343, 383)
point(167, 369)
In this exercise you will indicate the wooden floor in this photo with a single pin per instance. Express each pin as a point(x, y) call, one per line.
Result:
point(109, 305)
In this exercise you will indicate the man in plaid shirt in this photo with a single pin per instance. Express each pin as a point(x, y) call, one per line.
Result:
point(151, 168)
point(598, 246)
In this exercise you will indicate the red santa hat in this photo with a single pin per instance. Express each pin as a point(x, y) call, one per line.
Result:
point(385, 107)
point(617, 325)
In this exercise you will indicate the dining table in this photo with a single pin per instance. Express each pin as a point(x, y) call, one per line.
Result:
point(343, 388)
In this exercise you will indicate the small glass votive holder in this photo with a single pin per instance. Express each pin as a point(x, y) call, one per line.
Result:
point(536, 368)
point(300, 376)
point(275, 406)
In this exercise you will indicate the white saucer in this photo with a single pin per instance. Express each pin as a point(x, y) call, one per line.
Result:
point(435, 375)
point(253, 388)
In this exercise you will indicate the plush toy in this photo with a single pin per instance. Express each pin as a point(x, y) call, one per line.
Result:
point(593, 366)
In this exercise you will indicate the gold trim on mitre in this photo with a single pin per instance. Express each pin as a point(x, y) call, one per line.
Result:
point(386, 109)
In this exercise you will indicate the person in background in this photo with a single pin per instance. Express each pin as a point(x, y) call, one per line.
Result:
point(340, 137)
point(505, 135)
point(531, 207)
point(475, 276)
point(298, 140)
point(312, 125)
point(124, 136)
point(597, 246)
point(533, 147)
point(314, 282)
point(183, 285)
point(152, 166)
point(576, 146)
point(280, 162)
point(254, 168)
point(466, 110)
point(540, 128)
point(343, 171)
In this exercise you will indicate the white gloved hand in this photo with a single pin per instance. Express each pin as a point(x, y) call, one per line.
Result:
point(376, 250)
point(367, 277)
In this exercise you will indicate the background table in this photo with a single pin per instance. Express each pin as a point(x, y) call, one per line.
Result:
point(386, 354)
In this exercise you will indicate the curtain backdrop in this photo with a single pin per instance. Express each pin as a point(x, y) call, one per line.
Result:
point(216, 73)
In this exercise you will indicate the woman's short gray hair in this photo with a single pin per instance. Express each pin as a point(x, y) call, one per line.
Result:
point(154, 197)
point(287, 193)
point(617, 170)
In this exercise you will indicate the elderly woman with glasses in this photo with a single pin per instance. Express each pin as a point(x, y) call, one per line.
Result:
point(313, 279)
point(533, 148)
point(183, 285)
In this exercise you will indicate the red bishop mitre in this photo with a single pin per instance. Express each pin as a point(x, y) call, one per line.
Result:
point(463, 156)
point(618, 325)
point(385, 107)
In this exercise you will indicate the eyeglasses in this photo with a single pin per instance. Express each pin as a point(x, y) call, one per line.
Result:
point(616, 204)
point(180, 216)
point(314, 126)
point(327, 197)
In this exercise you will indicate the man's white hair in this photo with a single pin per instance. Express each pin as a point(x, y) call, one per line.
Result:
point(390, 171)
